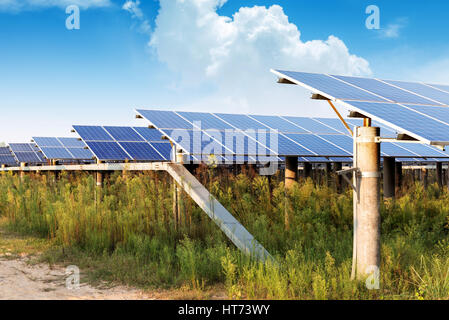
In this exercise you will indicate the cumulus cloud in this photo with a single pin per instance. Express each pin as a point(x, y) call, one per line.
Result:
point(19, 5)
point(133, 7)
point(234, 54)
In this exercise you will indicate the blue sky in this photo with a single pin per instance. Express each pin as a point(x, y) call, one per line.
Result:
point(192, 58)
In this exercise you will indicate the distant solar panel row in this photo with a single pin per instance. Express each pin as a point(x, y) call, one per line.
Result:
point(417, 109)
point(125, 143)
point(254, 135)
point(26, 152)
point(63, 148)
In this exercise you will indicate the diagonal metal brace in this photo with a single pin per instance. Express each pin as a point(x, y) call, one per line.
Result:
point(344, 174)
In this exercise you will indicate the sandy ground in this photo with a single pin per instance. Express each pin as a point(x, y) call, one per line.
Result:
point(21, 281)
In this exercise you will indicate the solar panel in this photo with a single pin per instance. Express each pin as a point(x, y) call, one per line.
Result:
point(7, 159)
point(21, 147)
point(124, 134)
point(206, 120)
point(311, 125)
point(26, 152)
point(151, 135)
point(165, 119)
point(391, 93)
point(416, 109)
point(278, 123)
point(5, 151)
point(422, 89)
point(325, 137)
point(330, 86)
point(411, 122)
point(62, 148)
point(124, 143)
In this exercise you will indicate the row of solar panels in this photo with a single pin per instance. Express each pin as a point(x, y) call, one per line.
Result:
point(230, 137)
point(255, 135)
point(417, 109)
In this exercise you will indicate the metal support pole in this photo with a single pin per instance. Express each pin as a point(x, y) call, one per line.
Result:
point(307, 172)
point(328, 174)
point(339, 179)
point(389, 177)
point(368, 212)
point(425, 177)
point(291, 171)
point(22, 173)
point(398, 169)
point(440, 174)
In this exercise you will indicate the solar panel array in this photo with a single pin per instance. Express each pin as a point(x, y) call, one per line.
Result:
point(63, 148)
point(110, 143)
point(417, 109)
point(208, 133)
point(27, 152)
point(6, 157)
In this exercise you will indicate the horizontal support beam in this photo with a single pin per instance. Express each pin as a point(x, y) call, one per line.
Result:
point(153, 166)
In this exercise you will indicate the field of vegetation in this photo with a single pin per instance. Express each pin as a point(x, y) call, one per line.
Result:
point(126, 233)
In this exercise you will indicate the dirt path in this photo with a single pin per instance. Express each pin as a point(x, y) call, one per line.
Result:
point(20, 280)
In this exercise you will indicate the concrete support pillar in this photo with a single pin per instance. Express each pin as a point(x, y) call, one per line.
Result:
point(368, 213)
point(389, 177)
point(439, 174)
point(291, 171)
point(398, 175)
point(22, 172)
point(307, 172)
point(99, 176)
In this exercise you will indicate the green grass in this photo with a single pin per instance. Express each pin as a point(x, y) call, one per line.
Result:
point(126, 233)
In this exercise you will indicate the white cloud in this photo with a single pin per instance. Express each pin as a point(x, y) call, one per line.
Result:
point(19, 5)
point(234, 55)
point(393, 30)
point(133, 7)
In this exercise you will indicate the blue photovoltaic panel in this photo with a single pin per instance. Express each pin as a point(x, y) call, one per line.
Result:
point(386, 91)
point(241, 121)
point(72, 142)
point(93, 133)
point(28, 157)
point(335, 124)
point(152, 135)
point(343, 141)
point(164, 148)
point(141, 151)
point(47, 141)
point(21, 147)
point(331, 86)
point(440, 113)
point(443, 87)
point(206, 120)
point(317, 145)
point(277, 123)
point(311, 125)
point(56, 153)
point(389, 149)
point(7, 159)
point(287, 147)
point(422, 89)
point(422, 150)
point(404, 118)
point(124, 134)
point(80, 153)
point(5, 151)
point(108, 151)
point(165, 119)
